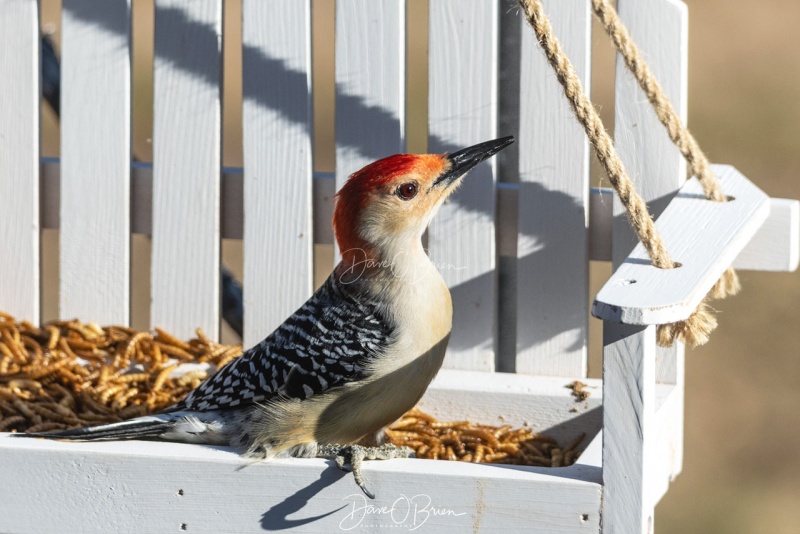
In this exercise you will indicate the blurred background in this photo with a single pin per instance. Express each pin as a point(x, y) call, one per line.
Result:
point(742, 457)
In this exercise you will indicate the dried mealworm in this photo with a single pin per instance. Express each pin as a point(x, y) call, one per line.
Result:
point(133, 377)
point(176, 352)
point(45, 427)
point(110, 391)
point(55, 335)
point(169, 339)
point(92, 404)
point(121, 399)
point(132, 342)
point(483, 434)
point(162, 377)
point(557, 457)
point(44, 370)
point(52, 415)
point(8, 422)
point(133, 410)
point(575, 442)
point(478, 456)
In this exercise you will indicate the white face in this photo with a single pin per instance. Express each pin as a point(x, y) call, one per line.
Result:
point(400, 210)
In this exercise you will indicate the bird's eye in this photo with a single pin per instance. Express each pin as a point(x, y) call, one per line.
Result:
point(407, 191)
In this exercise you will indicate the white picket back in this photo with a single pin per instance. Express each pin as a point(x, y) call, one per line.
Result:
point(553, 279)
point(277, 123)
point(95, 161)
point(462, 111)
point(19, 157)
point(186, 166)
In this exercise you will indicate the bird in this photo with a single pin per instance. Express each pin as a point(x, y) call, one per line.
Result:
point(357, 355)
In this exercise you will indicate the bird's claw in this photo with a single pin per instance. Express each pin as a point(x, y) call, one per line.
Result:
point(356, 454)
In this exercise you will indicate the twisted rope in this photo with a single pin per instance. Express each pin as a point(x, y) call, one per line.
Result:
point(587, 115)
point(696, 328)
point(678, 133)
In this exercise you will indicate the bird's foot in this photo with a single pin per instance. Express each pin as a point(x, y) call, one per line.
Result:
point(356, 454)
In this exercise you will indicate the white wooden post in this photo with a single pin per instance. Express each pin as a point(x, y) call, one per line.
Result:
point(462, 111)
point(552, 246)
point(277, 122)
point(370, 83)
point(19, 158)
point(186, 166)
point(660, 29)
point(95, 161)
point(628, 416)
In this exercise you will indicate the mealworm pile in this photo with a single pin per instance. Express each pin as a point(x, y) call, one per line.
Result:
point(69, 374)
point(469, 442)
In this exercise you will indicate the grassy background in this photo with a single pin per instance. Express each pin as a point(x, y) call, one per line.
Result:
point(742, 459)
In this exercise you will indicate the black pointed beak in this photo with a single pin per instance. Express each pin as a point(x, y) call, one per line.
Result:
point(466, 159)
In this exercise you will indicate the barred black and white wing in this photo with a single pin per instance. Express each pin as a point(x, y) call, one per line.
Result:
point(328, 342)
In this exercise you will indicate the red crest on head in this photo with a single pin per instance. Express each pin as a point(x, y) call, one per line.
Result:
point(352, 197)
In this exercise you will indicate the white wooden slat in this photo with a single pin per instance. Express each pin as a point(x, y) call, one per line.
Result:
point(186, 166)
point(140, 486)
point(95, 161)
point(704, 236)
point(542, 403)
point(278, 243)
point(776, 245)
point(553, 257)
point(462, 111)
point(629, 400)
point(370, 83)
point(19, 158)
point(668, 440)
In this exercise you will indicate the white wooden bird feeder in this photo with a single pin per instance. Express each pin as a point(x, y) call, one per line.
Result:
point(517, 240)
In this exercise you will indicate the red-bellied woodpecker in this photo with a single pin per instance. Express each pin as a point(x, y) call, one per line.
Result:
point(358, 354)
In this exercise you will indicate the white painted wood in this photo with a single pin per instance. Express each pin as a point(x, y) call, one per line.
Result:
point(19, 155)
point(542, 403)
point(592, 455)
point(553, 257)
point(776, 245)
point(628, 427)
point(462, 111)
point(186, 166)
point(161, 487)
point(277, 122)
point(668, 440)
point(370, 83)
point(95, 161)
point(704, 236)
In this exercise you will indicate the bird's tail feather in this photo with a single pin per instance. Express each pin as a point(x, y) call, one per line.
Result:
point(139, 428)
